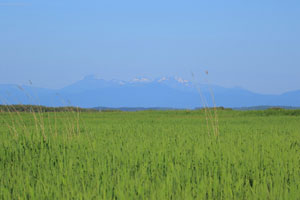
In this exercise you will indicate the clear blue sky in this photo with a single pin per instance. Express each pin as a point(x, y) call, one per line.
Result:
point(253, 44)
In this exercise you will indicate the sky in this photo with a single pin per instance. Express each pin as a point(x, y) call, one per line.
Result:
point(251, 44)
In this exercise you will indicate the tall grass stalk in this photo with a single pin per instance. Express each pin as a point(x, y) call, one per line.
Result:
point(211, 115)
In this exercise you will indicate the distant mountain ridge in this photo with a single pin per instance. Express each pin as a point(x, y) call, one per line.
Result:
point(164, 92)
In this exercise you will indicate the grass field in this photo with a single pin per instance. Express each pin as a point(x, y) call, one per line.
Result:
point(150, 155)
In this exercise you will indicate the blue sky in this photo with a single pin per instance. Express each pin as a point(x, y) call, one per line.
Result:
point(252, 44)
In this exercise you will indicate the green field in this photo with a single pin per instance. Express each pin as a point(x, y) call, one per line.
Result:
point(150, 155)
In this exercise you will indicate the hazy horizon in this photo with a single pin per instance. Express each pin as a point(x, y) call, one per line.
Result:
point(196, 81)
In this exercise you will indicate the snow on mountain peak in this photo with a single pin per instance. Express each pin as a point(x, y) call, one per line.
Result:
point(143, 80)
point(162, 79)
point(181, 80)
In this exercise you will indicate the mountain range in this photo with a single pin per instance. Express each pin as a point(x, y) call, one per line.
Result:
point(168, 92)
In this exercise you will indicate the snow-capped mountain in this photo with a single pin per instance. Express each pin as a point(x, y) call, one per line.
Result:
point(169, 92)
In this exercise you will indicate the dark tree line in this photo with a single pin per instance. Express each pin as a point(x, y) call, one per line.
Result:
point(36, 108)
